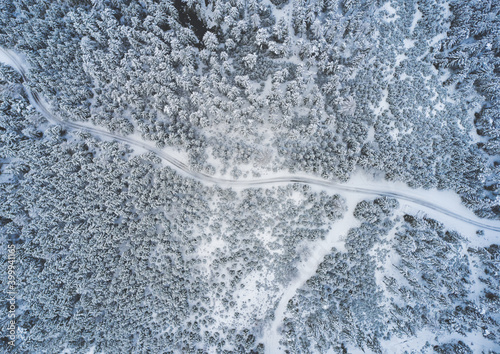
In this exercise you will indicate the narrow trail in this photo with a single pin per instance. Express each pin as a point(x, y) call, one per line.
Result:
point(12, 59)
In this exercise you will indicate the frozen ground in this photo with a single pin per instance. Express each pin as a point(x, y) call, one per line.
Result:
point(444, 206)
point(447, 203)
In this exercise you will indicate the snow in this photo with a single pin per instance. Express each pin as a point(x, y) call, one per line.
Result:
point(361, 185)
point(397, 345)
point(383, 264)
point(448, 199)
point(393, 133)
point(416, 18)
point(4, 58)
point(208, 248)
point(252, 301)
point(9, 57)
point(388, 7)
point(475, 273)
point(208, 13)
point(404, 76)
point(383, 105)
point(437, 38)
point(371, 134)
point(307, 268)
point(392, 16)
point(6, 178)
point(400, 58)
point(408, 43)
point(320, 249)
point(294, 59)
point(284, 13)
point(460, 126)
point(446, 10)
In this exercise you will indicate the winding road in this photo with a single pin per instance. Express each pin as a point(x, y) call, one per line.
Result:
point(12, 59)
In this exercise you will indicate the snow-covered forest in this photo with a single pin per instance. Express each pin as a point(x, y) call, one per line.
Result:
point(125, 124)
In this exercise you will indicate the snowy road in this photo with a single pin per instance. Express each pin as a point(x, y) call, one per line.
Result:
point(429, 200)
point(452, 213)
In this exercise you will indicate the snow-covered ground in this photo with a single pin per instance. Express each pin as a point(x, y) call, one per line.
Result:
point(5, 59)
point(307, 268)
point(447, 203)
point(397, 345)
point(335, 238)
point(448, 199)
point(444, 206)
point(417, 17)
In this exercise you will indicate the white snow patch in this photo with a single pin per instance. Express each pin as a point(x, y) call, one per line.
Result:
point(383, 105)
point(294, 59)
point(208, 248)
point(416, 18)
point(404, 76)
point(460, 126)
point(385, 262)
point(448, 199)
point(284, 13)
point(400, 58)
point(268, 85)
point(4, 59)
point(252, 301)
point(392, 16)
point(307, 268)
point(446, 9)
point(394, 134)
point(413, 344)
point(6, 56)
point(437, 38)
point(408, 43)
point(388, 7)
point(371, 134)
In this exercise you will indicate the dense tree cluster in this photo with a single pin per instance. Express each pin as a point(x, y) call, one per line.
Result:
point(435, 279)
point(318, 86)
point(342, 304)
point(428, 283)
point(256, 240)
point(117, 252)
point(88, 224)
point(488, 281)
point(471, 53)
